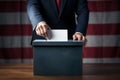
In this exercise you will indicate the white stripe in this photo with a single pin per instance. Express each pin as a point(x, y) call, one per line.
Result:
point(104, 17)
point(16, 60)
point(14, 18)
point(101, 60)
point(93, 41)
point(103, 41)
point(85, 60)
point(15, 41)
point(95, 18)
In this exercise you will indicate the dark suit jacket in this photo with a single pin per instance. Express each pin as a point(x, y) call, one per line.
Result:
point(46, 10)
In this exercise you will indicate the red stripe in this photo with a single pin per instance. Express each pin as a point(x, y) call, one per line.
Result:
point(103, 29)
point(20, 6)
point(101, 52)
point(16, 53)
point(88, 52)
point(93, 29)
point(13, 30)
point(104, 5)
point(12, 6)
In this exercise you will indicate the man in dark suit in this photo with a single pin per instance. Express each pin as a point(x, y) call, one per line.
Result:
point(51, 14)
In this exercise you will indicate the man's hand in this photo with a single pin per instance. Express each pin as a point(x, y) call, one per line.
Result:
point(79, 36)
point(42, 29)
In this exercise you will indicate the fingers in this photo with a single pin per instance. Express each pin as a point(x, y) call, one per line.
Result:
point(83, 38)
point(42, 29)
point(46, 36)
point(45, 30)
point(38, 32)
point(79, 36)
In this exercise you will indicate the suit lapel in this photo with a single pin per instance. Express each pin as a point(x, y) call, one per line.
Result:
point(63, 2)
point(54, 6)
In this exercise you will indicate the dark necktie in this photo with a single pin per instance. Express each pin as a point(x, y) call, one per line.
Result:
point(58, 4)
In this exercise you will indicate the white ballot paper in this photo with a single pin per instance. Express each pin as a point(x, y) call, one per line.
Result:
point(58, 35)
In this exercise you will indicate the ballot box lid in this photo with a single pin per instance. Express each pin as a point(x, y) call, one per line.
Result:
point(56, 43)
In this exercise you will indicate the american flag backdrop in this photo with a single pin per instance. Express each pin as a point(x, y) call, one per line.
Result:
point(103, 32)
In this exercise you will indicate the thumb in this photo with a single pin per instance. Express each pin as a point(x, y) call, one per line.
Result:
point(74, 37)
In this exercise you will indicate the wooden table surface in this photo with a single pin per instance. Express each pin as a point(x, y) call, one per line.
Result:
point(90, 72)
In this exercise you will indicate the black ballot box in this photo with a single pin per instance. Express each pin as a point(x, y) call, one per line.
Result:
point(57, 57)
